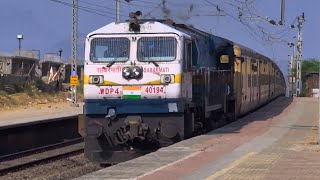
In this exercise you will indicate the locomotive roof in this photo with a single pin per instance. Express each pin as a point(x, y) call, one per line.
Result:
point(152, 26)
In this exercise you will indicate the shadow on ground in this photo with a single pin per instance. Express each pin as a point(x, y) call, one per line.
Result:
point(263, 113)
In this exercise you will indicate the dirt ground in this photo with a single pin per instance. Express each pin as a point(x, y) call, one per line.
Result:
point(24, 100)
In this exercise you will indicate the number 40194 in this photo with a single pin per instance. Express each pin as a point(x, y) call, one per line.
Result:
point(154, 90)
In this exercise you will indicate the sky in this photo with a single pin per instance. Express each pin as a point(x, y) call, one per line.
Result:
point(46, 25)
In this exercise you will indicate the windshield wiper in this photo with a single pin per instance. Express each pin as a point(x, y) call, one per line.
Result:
point(149, 60)
point(155, 63)
point(115, 60)
point(111, 63)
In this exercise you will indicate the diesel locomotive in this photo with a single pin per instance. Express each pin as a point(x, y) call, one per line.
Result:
point(149, 83)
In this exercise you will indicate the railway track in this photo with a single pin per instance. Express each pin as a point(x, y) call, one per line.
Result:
point(28, 144)
point(21, 160)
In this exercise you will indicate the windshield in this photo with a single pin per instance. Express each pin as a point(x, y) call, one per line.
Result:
point(110, 49)
point(157, 49)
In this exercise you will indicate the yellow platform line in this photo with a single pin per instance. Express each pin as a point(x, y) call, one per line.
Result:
point(233, 165)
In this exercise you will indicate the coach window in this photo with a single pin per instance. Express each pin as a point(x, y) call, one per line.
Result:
point(188, 55)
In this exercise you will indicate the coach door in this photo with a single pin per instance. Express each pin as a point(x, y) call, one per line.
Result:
point(244, 92)
point(238, 83)
point(254, 83)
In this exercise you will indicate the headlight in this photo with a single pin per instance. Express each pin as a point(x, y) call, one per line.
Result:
point(126, 72)
point(136, 72)
point(95, 79)
point(167, 78)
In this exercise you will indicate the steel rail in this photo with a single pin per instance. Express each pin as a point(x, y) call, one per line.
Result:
point(39, 149)
point(24, 159)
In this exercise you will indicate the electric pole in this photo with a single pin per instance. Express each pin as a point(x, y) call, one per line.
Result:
point(291, 74)
point(299, 54)
point(118, 11)
point(74, 74)
point(293, 78)
point(289, 83)
point(283, 7)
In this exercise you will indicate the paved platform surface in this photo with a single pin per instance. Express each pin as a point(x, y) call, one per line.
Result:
point(38, 113)
point(276, 142)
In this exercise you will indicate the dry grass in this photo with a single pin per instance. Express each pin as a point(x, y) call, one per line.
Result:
point(25, 99)
point(32, 96)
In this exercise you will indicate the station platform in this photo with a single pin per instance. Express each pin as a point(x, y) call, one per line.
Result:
point(38, 113)
point(278, 141)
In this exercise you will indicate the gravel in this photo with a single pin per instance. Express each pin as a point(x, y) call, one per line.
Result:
point(69, 168)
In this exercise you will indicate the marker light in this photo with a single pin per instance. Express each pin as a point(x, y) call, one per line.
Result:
point(95, 79)
point(167, 78)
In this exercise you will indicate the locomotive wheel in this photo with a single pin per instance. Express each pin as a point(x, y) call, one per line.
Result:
point(214, 121)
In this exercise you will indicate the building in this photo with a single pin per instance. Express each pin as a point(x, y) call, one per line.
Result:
point(312, 85)
point(17, 71)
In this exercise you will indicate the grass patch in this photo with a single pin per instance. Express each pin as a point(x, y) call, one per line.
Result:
point(31, 95)
point(3, 93)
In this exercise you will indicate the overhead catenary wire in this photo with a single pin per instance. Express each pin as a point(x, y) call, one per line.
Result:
point(248, 28)
point(95, 9)
point(136, 5)
point(90, 10)
point(130, 4)
point(262, 38)
point(98, 5)
point(242, 7)
point(251, 29)
point(154, 8)
point(148, 2)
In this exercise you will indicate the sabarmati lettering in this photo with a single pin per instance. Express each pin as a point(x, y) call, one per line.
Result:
point(116, 69)
point(156, 69)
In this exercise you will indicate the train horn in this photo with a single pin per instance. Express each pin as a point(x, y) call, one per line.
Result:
point(134, 23)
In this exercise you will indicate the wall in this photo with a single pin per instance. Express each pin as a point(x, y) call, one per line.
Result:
point(312, 82)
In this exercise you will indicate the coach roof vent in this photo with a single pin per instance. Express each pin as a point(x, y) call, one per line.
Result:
point(134, 22)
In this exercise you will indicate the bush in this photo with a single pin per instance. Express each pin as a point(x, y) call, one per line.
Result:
point(3, 93)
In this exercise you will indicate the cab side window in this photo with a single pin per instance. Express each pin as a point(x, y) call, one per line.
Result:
point(194, 53)
point(187, 55)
